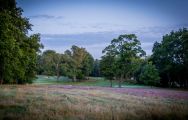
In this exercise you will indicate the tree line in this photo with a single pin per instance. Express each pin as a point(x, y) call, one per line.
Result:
point(75, 63)
point(123, 59)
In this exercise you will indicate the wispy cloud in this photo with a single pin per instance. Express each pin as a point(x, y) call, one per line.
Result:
point(93, 42)
point(45, 16)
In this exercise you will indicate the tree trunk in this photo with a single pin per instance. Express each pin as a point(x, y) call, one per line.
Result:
point(58, 75)
point(1, 78)
point(57, 71)
point(119, 83)
point(169, 79)
point(1, 81)
point(110, 83)
point(74, 78)
point(120, 80)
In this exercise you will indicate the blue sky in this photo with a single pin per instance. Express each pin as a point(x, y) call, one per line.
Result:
point(94, 23)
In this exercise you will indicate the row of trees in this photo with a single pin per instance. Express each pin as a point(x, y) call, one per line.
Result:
point(76, 63)
point(124, 59)
point(18, 50)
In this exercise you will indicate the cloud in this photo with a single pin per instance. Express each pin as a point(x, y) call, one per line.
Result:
point(95, 42)
point(45, 16)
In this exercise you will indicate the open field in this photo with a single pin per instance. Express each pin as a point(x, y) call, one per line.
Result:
point(25, 102)
point(93, 81)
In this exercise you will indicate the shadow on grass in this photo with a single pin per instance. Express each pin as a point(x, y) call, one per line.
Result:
point(11, 112)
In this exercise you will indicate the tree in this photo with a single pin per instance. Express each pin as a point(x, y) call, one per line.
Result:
point(87, 64)
point(78, 63)
point(96, 69)
point(150, 75)
point(170, 58)
point(107, 68)
point(50, 63)
point(126, 50)
point(18, 51)
point(58, 64)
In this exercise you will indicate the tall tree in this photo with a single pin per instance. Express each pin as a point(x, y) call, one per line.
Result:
point(107, 66)
point(126, 50)
point(170, 57)
point(78, 63)
point(87, 64)
point(18, 51)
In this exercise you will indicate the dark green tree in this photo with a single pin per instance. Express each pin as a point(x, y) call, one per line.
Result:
point(127, 51)
point(18, 50)
point(96, 69)
point(78, 63)
point(150, 75)
point(87, 64)
point(170, 58)
point(107, 68)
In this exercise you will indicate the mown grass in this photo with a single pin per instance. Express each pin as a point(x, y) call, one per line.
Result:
point(93, 81)
point(57, 102)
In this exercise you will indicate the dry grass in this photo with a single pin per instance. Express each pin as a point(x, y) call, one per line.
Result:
point(31, 102)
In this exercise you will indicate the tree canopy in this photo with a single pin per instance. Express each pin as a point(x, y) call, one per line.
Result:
point(171, 58)
point(125, 53)
point(150, 75)
point(76, 63)
point(18, 50)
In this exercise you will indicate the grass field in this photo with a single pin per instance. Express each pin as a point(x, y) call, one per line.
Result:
point(93, 81)
point(57, 102)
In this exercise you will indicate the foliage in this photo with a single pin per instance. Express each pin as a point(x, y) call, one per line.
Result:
point(107, 67)
point(126, 52)
point(18, 51)
point(76, 64)
point(49, 63)
point(170, 58)
point(150, 75)
point(96, 72)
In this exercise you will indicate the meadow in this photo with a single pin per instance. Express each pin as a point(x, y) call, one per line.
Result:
point(147, 59)
point(84, 101)
point(93, 81)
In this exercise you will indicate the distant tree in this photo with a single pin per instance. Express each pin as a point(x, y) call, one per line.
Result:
point(150, 75)
point(18, 50)
point(96, 69)
point(127, 51)
point(78, 63)
point(50, 63)
point(87, 64)
point(39, 65)
point(107, 68)
point(58, 64)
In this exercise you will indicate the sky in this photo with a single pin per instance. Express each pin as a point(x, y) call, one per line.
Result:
point(92, 24)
